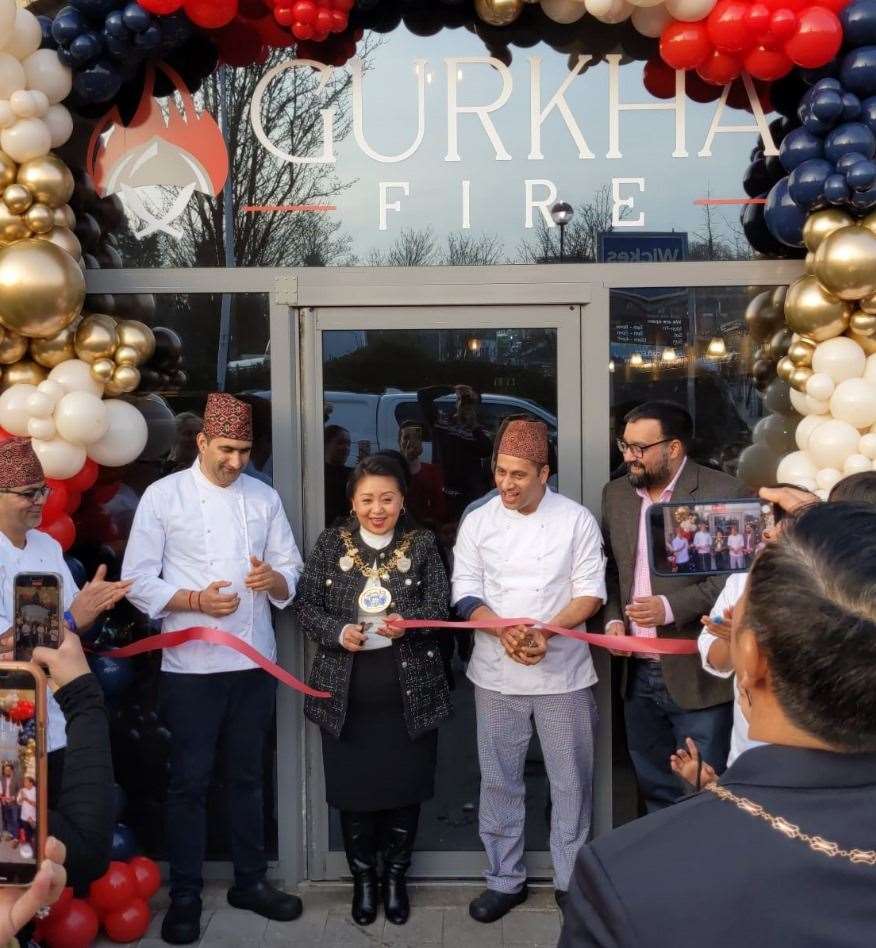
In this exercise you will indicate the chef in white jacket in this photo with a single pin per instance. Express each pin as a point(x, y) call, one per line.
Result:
point(211, 546)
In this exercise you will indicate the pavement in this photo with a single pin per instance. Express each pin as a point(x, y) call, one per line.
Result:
point(439, 917)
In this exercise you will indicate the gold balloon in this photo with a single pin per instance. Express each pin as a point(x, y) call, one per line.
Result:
point(779, 344)
point(42, 288)
point(64, 217)
point(12, 227)
point(864, 324)
point(809, 262)
point(96, 338)
point(811, 311)
point(822, 223)
point(139, 336)
point(778, 298)
point(845, 263)
point(498, 12)
point(40, 218)
point(800, 375)
point(125, 379)
point(762, 318)
point(784, 368)
point(127, 355)
point(8, 169)
point(48, 179)
point(12, 347)
point(800, 351)
point(64, 238)
point(55, 350)
point(868, 305)
point(17, 198)
point(867, 343)
point(23, 371)
point(102, 370)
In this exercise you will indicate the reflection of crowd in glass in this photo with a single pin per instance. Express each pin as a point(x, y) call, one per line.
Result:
point(695, 547)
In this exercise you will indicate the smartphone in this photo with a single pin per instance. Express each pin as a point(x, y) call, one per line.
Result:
point(715, 537)
point(23, 788)
point(37, 599)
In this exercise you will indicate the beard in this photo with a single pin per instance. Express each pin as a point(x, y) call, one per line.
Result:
point(644, 477)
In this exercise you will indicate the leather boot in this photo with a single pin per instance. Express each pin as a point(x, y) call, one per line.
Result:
point(398, 832)
point(360, 843)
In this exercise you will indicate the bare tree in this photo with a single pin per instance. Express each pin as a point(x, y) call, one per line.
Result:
point(412, 248)
point(718, 238)
point(581, 241)
point(466, 250)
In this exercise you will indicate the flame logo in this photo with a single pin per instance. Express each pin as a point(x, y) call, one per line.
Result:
point(183, 148)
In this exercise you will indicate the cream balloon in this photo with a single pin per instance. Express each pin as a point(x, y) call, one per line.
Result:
point(27, 139)
point(831, 443)
point(827, 477)
point(81, 418)
point(14, 414)
point(841, 358)
point(690, 10)
point(609, 11)
point(563, 11)
point(12, 77)
point(807, 405)
point(8, 9)
point(854, 401)
point(59, 122)
point(857, 464)
point(651, 21)
point(46, 74)
point(39, 405)
point(805, 428)
point(820, 386)
point(23, 104)
point(125, 437)
point(74, 375)
point(42, 428)
point(58, 457)
point(52, 390)
point(795, 468)
point(27, 35)
point(867, 445)
point(870, 368)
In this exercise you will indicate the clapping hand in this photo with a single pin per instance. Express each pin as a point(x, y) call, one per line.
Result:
point(215, 603)
point(97, 596)
point(261, 577)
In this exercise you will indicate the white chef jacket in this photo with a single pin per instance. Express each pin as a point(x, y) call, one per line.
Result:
point(188, 533)
point(41, 554)
point(730, 595)
point(529, 566)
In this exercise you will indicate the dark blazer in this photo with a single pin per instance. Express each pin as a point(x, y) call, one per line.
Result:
point(689, 596)
point(326, 601)
point(705, 873)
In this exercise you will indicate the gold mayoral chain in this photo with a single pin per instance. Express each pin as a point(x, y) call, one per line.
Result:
point(352, 558)
point(818, 844)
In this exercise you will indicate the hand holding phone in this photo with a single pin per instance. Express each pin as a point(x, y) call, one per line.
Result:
point(63, 664)
point(37, 599)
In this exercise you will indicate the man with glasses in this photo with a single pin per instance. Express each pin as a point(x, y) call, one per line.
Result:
point(24, 549)
point(668, 699)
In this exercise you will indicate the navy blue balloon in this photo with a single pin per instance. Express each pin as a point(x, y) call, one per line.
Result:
point(120, 799)
point(77, 570)
point(95, 9)
point(868, 113)
point(114, 25)
point(827, 105)
point(119, 47)
point(850, 137)
point(859, 23)
point(175, 29)
point(149, 39)
point(136, 18)
point(86, 47)
point(806, 182)
point(124, 843)
point(862, 175)
point(849, 161)
point(864, 200)
point(783, 217)
point(64, 58)
point(812, 123)
point(836, 191)
point(851, 106)
point(48, 41)
point(114, 674)
point(798, 146)
point(98, 82)
point(858, 71)
point(67, 25)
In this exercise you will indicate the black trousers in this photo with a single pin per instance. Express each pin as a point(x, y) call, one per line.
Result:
point(198, 710)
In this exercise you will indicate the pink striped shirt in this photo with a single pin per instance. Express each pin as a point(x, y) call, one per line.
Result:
point(642, 571)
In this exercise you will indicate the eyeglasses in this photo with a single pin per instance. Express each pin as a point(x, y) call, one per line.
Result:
point(33, 495)
point(638, 450)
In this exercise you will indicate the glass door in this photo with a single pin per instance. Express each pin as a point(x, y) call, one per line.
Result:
point(434, 384)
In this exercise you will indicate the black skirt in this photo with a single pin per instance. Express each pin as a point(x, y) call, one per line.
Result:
point(375, 765)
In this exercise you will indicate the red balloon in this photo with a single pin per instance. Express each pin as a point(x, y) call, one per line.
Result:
point(146, 876)
point(56, 502)
point(719, 69)
point(210, 14)
point(343, 5)
point(272, 33)
point(239, 43)
point(783, 24)
point(129, 922)
point(685, 45)
point(817, 40)
point(727, 26)
point(304, 11)
point(63, 530)
point(659, 79)
point(323, 22)
point(757, 20)
point(302, 31)
point(161, 7)
point(284, 16)
point(85, 479)
point(114, 889)
point(74, 499)
point(75, 928)
point(767, 64)
point(5, 436)
point(63, 903)
point(339, 21)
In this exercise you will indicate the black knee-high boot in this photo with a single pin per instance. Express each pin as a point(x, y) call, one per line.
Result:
point(398, 830)
point(360, 844)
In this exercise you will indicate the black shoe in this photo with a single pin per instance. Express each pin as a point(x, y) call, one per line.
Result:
point(396, 906)
point(182, 923)
point(263, 899)
point(490, 905)
point(561, 895)
point(364, 909)
point(398, 833)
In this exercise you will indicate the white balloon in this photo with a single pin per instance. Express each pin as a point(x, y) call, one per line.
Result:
point(646, 4)
point(52, 390)
point(857, 464)
point(867, 445)
point(81, 418)
point(854, 401)
point(43, 428)
point(28, 138)
point(870, 368)
point(651, 21)
point(690, 10)
point(795, 468)
point(831, 443)
point(8, 9)
point(563, 11)
point(26, 35)
point(841, 358)
point(12, 77)
point(609, 11)
point(42, 102)
point(820, 386)
point(806, 405)
point(58, 457)
point(39, 405)
point(23, 104)
point(822, 494)
point(827, 477)
point(14, 413)
point(74, 375)
point(45, 72)
point(59, 122)
point(807, 483)
point(7, 117)
point(805, 428)
point(125, 437)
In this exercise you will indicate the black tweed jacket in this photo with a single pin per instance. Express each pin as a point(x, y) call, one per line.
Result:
point(327, 601)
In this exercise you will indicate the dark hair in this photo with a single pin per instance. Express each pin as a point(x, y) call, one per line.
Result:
point(812, 606)
point(330, 432)
point(377, 465)
point(857, 488)
point(675, 421)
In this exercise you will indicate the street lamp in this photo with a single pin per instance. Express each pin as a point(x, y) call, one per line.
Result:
point(561, 214)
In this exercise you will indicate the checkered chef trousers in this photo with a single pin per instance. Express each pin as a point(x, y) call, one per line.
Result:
point(566, 725)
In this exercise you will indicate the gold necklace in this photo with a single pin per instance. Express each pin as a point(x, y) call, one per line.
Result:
point(352, 558)
point(818, 844)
